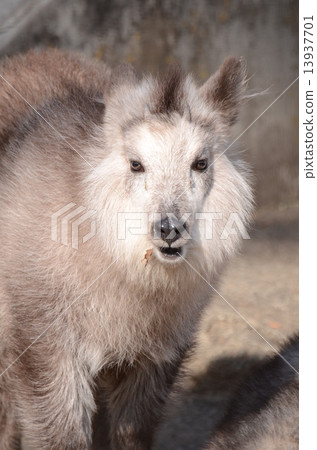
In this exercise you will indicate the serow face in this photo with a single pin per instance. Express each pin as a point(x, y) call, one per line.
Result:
point(168, 138)
point(169, 177)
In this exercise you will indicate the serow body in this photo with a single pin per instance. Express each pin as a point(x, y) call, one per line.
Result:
point(107, 310)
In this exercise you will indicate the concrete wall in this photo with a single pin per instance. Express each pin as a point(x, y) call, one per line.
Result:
point(199, 34)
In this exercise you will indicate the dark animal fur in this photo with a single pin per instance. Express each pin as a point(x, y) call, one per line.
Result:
point(264, 413)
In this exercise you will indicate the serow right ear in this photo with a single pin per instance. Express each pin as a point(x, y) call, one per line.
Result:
point(226, 88)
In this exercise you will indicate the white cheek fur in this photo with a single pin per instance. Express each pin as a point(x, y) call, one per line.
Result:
point(143, 192)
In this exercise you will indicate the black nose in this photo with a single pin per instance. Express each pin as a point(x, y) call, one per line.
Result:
point(169, 230)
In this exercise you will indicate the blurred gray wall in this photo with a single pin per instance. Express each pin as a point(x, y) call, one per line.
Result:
point(152, 34)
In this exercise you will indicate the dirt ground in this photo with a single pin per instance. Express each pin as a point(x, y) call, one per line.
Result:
point(261, 284)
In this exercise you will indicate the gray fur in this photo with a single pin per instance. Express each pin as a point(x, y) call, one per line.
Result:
point(128, 328)
point(264, 413)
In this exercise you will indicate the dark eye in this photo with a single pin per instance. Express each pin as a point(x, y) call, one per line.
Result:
point(200, 165)
point(136, 166)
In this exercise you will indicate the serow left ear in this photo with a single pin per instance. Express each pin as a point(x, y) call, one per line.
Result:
point(226, 88)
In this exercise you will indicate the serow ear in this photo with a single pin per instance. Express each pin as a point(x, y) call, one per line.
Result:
point(226, 88)
point(124, 74)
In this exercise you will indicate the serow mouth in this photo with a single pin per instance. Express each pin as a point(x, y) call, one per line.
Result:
point(171, 252)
